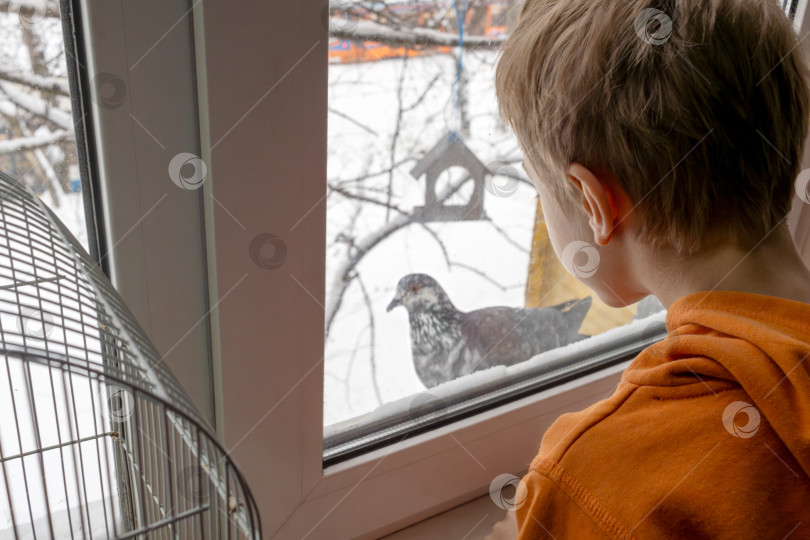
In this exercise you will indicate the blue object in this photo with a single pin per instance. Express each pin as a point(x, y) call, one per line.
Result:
point(75, 186)
point(455, 89)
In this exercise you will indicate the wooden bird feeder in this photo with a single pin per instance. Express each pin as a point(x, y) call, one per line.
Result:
point(450, 151)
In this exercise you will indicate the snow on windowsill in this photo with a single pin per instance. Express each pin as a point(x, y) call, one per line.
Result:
point(474, 383)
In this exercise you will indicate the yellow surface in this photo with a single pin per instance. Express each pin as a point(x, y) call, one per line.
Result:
point(549, 283)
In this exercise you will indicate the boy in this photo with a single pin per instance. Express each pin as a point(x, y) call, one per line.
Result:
point(668, 135)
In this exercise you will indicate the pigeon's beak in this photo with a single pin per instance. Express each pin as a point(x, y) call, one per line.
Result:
point(394, 303)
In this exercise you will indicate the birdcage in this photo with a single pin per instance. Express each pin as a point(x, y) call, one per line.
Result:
point(97, 438)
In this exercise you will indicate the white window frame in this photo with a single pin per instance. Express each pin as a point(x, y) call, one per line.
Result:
point(248, 342)
point(156, 251)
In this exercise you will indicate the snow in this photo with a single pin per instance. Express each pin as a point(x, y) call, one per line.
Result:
point(37, 106)
point(364, 97)
point(19, 144)
point(71, 213)
point(42, 406)
point(68, 476)
point(364, 92)
point(476, 264)
point(64, 407)
point(450, 391)
point(369, 30)
point(57, 84)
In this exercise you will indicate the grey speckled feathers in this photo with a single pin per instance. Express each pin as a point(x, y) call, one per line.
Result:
point(447, 343)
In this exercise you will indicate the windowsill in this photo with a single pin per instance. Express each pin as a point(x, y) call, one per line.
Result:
point(475, 391)
point(472, 521)
point(442, 468)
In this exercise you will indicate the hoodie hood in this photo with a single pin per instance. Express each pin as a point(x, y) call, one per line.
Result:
point(759, 342)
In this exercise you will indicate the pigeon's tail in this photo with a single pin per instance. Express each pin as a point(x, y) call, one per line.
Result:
point(574, 312)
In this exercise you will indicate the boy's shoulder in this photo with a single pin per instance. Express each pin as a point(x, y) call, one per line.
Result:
point(705, 414)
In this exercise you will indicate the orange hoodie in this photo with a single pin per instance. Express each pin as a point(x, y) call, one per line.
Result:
point(706, 436)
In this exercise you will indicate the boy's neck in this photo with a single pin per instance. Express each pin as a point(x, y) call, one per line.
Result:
point(772, 268)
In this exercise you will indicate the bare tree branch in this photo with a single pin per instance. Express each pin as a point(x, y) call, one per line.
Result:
point(393, 147)
point(346, 385)
point(366, 176)
point(438, 240)
point(506, 237)
point(55, 85)
point(421, 98)
point(372, 336)
point(350, 119)
point(37, 106)
point(35, 8)
point(356, 196)
point(380, 11)
point(371, 31)
point(21, 144)
point(481, 273)
point(360, 248)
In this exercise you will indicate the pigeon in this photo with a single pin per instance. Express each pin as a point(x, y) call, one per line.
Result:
point(447, 343)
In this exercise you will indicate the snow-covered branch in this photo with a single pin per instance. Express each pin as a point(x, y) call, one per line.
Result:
point(56, 85)
point(37, 106)
point(372, 338)
point(363, 30)
point(357, 196)
point(357, 249)
point(22, 144)
point(31, 8)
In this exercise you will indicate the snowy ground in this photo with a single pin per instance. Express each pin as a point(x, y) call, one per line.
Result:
point(42, 408)
point(490, 263)
point(71, 213)
point(367, 95)
point(363, 99)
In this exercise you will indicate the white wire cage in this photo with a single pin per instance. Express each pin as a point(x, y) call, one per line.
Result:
point(97, 437)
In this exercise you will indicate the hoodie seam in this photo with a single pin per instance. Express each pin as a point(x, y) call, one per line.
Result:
point(582, 432)
point(705, 394)
point(744, 312)
point(571, 486)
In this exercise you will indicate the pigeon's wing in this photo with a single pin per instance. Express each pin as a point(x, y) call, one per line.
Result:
point(506, 336)
point(565, 306)
point(574, 312)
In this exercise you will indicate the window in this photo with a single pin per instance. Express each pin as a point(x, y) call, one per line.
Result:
point(38, 148)
point(432, 226)
point(241, 317)
point(37, 130)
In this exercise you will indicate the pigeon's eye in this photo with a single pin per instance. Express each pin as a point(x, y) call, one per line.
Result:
point(414, 288)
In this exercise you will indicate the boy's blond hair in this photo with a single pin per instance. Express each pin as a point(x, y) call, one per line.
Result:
point(698, 107)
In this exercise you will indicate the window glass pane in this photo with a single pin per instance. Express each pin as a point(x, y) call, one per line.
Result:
point(38, 312)
point(435, 239)
point(37, 141)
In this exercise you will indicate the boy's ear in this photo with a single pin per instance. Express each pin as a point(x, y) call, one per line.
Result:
point(599, 201)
